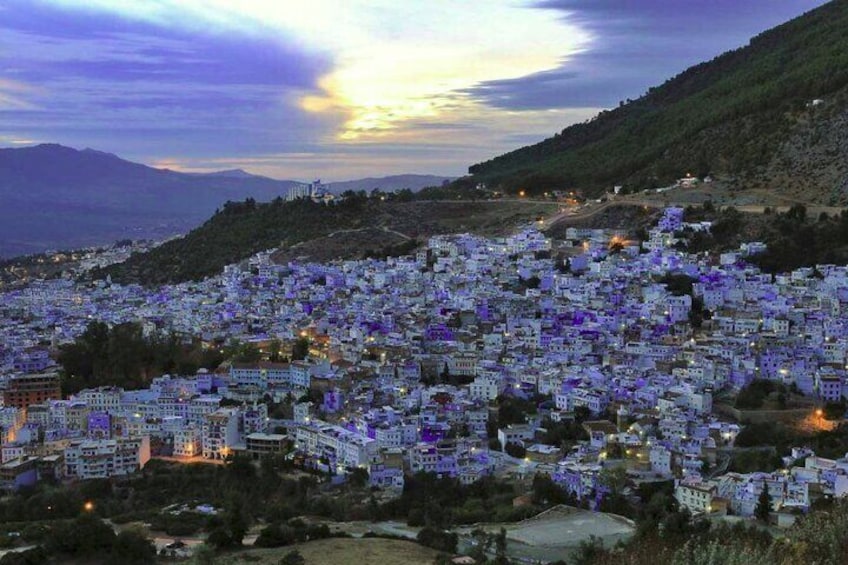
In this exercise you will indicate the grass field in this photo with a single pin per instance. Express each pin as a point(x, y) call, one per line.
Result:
point(340, 551)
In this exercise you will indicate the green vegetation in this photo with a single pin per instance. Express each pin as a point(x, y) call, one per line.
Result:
point(819, 537)
point(729, 228)
point(515, 450)
point(835, 410)
point(754, 395)
point(728, 115)
point(678, 284)
point(442, 503)
point(763, 459)
point(366, 550)
point(763, 509)
point(235, 232)
point(241, 229)
point(781, 438)
point(797, 241)
point(793, 238)
point(245, 492)
point(90, 538)
point(439, 540)
point(124, 356)
point(565, 433)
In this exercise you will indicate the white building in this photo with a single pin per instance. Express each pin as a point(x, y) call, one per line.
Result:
point(484, 388)
point(696, 497)
point(188, 442)
point(101, 459)
point(341, 448)
point(220, 432)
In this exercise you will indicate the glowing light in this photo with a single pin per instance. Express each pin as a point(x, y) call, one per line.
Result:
point(88, 506)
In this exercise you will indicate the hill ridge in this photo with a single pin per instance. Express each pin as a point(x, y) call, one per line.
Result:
point(101, 197)
point(744, 114)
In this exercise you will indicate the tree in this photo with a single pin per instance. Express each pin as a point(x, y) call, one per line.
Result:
point(220, 538)
point(274, 351)
point(481, 542)
point(276, 535)
point(247, 353)
point(532, 282)
point(237, 524)
point(86, 535)
point(763, 509)
point(500, 548)
point(358, 477)
point(133, 547)
point(613, 479)
point(300, 349)
point(205, 554)
point(515, 450)
point(589, 550)
point(797, 212)
point(438, 539)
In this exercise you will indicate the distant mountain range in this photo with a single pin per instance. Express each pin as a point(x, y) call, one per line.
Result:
point(56, 197)
point(771, 116)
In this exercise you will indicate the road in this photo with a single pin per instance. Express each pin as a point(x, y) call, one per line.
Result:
point(593, 209)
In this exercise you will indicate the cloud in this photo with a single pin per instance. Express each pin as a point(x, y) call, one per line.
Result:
point(130, 85)
point(296, 88)
point(392, 61)
point(15, 95)
point(636, 45)
point(445, 145)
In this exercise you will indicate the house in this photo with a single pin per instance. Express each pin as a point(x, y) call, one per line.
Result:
point(261, 444)
point(697, 497)
point(660, 458)
point(599, 432)
point(220, 433)
point(101, 459)
point(516, 433)
point(335, 447)
point(23, 390)
point(188, 441)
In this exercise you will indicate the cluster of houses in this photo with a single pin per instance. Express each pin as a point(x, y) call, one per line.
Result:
point(409, 357)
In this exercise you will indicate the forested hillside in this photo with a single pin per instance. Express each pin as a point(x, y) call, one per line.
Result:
point(241, 229)
point(747, 114)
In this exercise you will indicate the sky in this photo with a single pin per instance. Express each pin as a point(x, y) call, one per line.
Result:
point(341, 89)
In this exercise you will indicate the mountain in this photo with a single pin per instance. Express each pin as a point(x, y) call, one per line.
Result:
point(770, 115)
point(231, 174)
point(58, 197)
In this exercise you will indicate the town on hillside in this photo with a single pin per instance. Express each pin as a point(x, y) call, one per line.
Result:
point(516, 357)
